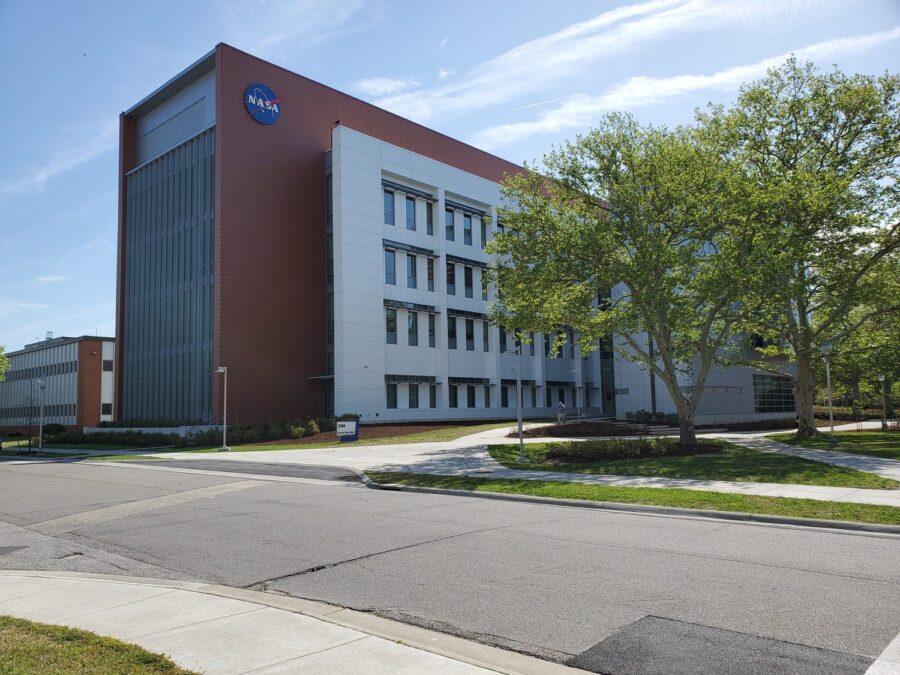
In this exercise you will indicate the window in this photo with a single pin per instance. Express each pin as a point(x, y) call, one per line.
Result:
point(546, 345)
point(107, 366)
point(470, 335)
point(413, 328)
point(570, 344)
point(449, 225)
point(388, 207)
point(549, 397)
point(453, 401)
point(467, 229)
point(502, 340)
point(773, 393)
point(429, 218)
point(451, 278)
point(467, 278)
point(451, 332)
point(390, 325)
point(504, 397)
point(573, 397)
point(531, 344)
point(106, 408)
point(484, 285)
point(390, 272)
point(487, 396)
point(500, 228)
point(534, 397)
point(587, 397)
point(432, 396)
point(391, 395)
point(470, 396)
point(483, 232)
point(412, 274)
point(429, 265)
point(431, 331)
point(485, 337)
point(411, 213)
point(413, 396)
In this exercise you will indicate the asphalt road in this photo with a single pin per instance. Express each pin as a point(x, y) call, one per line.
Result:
point(617, 592)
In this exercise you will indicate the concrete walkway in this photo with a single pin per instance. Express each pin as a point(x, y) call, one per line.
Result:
point(218, 629)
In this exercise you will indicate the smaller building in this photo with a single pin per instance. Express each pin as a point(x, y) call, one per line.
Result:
point(77, 374)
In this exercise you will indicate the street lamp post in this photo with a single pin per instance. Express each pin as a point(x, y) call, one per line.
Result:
point(224, 371)
point(882, 379)
point(826, 352)
point(522, 458)
point(574, 374)
point(43, 385)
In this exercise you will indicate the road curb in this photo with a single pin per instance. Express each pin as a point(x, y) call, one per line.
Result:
point(443, 644)
point(736, 516)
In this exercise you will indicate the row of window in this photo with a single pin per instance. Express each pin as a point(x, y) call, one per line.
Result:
point(553, 396)
point(412, 274)
point(35, 372)
point(50, 410)
point(412, 325)
point(390, 218)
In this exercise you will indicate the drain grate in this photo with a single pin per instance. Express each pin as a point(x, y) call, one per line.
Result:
point(658, 646)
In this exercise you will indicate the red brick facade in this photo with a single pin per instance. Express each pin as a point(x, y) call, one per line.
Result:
point(269, 307)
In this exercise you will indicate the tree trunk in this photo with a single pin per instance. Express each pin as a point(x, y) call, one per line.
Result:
point(803, 397)
point(687, 435)
point(855, 406)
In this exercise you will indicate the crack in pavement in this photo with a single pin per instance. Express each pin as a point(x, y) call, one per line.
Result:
point(263, 585)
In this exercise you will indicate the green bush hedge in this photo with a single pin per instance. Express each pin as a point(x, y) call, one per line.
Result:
point(647, 417)
point(623, 448)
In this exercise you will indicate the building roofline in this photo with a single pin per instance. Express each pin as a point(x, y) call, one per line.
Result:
point(56, 342)
point(193, 72)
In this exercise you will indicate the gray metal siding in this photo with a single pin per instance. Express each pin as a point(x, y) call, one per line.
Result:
point(169, 257)
point(187, 123)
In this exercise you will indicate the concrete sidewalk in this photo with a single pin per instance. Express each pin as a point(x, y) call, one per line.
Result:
point(218, 629)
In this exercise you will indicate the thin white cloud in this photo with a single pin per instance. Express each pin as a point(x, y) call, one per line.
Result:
point(258, 26)
point(444, 73)
point(545, 61)
point(76, 152)
point(384, 86)
point(581, 110)
point(10, 307)
point(52, 279)
point(443, 43)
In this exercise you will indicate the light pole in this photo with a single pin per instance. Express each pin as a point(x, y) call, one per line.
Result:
point(518, 369)
point(881, 378)
point(224, 371)
point(577, 387)
point(42, 384)
point(826, 352)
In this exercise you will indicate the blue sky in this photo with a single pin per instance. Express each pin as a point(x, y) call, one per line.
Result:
point(511, 76)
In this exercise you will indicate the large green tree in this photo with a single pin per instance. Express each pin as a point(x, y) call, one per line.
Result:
point(657, 215)
point(4, 363)
point(822, 149)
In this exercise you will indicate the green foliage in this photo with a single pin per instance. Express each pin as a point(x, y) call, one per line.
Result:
point(312, 427)
point(53, 428)
point(622, 448)
point(133, 439)
point(821, 149)
point(660, 216)
point(4, 363)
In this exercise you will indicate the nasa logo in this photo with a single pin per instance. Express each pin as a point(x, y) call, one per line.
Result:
point(262, 103)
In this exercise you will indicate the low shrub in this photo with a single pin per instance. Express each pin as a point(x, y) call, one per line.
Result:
point(312, 427)
point(620, 448)
point(297, 430)
point(126, 438)
point(54, 428)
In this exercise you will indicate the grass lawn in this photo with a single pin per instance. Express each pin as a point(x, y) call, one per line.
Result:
point(884, 444)
point(734, 463)
point(27, 647)
point(677, 497)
